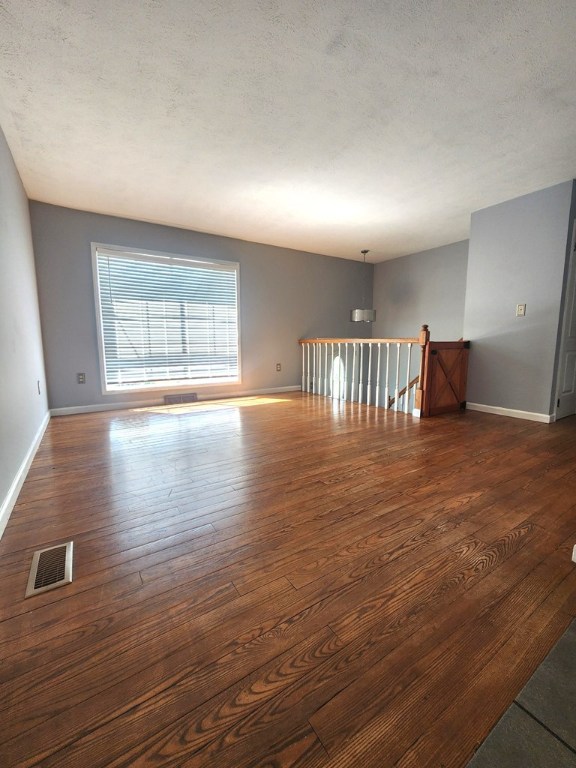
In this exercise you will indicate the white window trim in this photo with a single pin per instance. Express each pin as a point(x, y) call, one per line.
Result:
point(161, 257)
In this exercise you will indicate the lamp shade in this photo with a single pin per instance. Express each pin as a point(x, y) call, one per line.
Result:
point(363, 315)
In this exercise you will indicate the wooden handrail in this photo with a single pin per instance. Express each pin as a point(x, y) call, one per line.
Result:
point(392, 400)
point(410, 340)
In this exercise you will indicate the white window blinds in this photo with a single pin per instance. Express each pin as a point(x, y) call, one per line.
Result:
point(165, 321)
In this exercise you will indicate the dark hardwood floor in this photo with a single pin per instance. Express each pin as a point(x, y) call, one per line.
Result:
point(283, 581)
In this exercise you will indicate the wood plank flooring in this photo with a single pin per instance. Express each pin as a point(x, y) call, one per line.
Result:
point(283, 581)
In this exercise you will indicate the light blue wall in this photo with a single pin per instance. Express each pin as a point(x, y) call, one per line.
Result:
point(427, 287)
point(22, 408)
point(285, 295)
point(517, 255)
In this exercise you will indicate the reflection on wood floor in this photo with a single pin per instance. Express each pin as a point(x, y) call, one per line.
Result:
point(294, 583)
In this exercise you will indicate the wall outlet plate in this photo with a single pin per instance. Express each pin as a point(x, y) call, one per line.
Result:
point(520, 310)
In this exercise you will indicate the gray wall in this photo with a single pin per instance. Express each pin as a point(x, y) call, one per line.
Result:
point(22, 409)
point(427, 287)
point(285, 295)
point(517, 255)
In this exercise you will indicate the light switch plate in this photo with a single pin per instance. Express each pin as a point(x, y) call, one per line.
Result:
point(520, 310)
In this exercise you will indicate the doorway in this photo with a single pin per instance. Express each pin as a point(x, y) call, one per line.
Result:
point(566, 379)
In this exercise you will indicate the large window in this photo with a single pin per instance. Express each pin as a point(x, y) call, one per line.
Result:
point(165, 321)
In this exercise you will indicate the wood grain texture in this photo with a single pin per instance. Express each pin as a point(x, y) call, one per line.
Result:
point(283, 581)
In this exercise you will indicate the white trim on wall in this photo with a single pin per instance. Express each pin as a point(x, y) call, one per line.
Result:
point(544, 418)
point(151, 403)
point(10, 500)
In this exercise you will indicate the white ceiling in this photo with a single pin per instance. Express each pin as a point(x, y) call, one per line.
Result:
point(322, 125)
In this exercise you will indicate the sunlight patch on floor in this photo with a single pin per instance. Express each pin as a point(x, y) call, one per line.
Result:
point(211, 405)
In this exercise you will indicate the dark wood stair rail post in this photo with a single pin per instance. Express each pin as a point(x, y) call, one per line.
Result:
point(424, 340)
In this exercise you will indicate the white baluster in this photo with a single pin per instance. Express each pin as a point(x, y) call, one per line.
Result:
point(361, 374)
point(303, 369)
point(332, 369)
point(369, 384)
point(308, 368)
point(314, 356)
point(378, 376)
point(353, 371)
point(325, 370)
point(397, 385)
point(346, 371)
point(313, 377)
point(340, 378)
point(387, 384)
point(407, 398)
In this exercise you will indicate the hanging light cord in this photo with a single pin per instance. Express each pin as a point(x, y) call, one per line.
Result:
point(364, 252)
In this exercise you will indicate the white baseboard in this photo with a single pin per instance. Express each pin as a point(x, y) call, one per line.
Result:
point(10, 500)
point(544, 418)
point(74, 409)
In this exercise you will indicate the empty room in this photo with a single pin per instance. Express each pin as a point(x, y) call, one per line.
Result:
point(287, 384)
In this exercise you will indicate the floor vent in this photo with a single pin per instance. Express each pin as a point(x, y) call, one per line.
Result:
point(51, 568)
point(189, 397)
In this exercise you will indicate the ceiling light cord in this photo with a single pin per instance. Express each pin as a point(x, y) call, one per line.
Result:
point(363, 315)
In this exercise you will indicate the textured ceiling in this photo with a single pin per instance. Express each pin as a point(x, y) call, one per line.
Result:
point(324, 126)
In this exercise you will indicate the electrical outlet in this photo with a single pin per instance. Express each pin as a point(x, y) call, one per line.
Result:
point(278, 366)
point(520, 310)
point(81, 378)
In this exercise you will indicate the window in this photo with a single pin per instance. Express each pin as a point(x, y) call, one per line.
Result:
point(165, 321)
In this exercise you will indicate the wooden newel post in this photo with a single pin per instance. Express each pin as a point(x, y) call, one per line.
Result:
point(424, 338)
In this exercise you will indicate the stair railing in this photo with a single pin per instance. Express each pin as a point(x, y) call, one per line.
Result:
point(387, 373)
